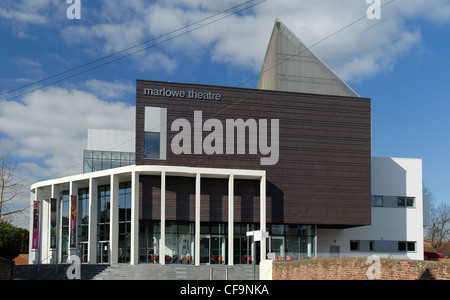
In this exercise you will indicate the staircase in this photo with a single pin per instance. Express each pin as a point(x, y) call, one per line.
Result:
point(140, 272)
point(178, 272)
point(53, 272)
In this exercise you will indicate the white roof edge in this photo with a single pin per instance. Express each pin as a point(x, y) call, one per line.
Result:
point(170, 171)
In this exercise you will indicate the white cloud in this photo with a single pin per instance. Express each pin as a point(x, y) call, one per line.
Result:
point(116, 90)
point(21, 15)
point(47, 132)
point(49, 128)
point(241, 40)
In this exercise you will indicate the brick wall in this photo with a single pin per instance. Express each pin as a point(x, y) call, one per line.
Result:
point(6, 269)
point(357, 268)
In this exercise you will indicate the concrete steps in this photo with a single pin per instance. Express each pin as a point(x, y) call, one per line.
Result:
point(140, 272)
point(178, 272)
point(51, 272)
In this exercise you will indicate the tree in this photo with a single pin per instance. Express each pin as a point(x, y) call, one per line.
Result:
point(439, 230)
point(10, 187)
point(10, 240)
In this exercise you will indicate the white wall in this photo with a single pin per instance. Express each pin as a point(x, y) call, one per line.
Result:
point(390, 177)
point(111, 140)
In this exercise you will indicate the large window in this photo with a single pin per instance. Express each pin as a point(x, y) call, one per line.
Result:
point(83, 224)
point(393, 201)
point(124, 222)
point(104, 210)
point(155, 133)
point(287, 242)
point(104, 160)
point(149, 238)
point(152, 145)
point(382, 246)
point(83, 215)
point(64, 215)
point(292, 242)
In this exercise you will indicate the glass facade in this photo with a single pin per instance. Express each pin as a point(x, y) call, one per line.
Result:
point(286, 242)
point(104, 160)
point(149, 239)
point(152, 145)
point(292, 242)
point(64, 224)
point(103, 218)
point(124, 222)
point(83, 224)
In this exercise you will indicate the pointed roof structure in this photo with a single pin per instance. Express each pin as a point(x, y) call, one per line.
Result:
point(290, 66)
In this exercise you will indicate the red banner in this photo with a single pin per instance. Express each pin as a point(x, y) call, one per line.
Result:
point(73, 221)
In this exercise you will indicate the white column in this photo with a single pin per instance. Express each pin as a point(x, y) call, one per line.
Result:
point(262, 207)
point(162, 244)
point(93, 220)
point(114, 220)
point(197, 219)
point(134, 259)
point(45, 231)
point(73, 190)
point(230, 219)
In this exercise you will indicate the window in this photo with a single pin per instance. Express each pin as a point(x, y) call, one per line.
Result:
point(405, 202)
point(152, 145)
point(410, 202)
point(407, 246)
point(155, 133)
point(377, 201)
point(124, 222)
point(102, 160)
point(354, 245)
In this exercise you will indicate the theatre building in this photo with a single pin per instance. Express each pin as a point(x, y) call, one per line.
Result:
point(219, 175)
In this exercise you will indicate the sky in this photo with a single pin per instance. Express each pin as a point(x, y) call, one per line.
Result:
point(61, 75)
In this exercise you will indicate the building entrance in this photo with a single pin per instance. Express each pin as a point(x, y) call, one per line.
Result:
point(83, 251)
point(205, 249)
point(212, 249)
point(103, 252)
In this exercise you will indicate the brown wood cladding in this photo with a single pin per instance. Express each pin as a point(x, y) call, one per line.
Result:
point(322, 176)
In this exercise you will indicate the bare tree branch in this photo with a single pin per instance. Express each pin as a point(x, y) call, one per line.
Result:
point(439, 231)
point(10, 187)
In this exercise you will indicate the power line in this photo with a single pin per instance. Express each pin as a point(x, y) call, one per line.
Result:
point(131, 48)
point(283, 61)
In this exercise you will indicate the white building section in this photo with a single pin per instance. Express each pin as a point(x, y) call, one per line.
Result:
point(397, 216)
point(111, 140)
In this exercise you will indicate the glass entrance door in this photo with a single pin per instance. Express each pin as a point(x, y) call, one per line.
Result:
point(83, 251)
point(205, 247)
point(103, 252)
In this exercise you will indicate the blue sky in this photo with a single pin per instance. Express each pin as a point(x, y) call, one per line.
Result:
point(400, 61)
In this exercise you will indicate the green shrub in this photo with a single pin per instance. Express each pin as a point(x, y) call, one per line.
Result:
point(10, 240)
